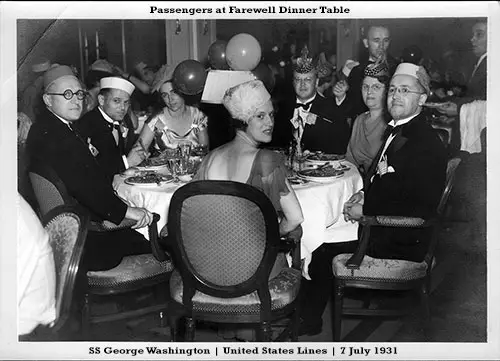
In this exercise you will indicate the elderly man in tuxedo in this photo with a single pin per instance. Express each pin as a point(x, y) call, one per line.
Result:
point(406, 178)
point(308, 118)
point(54, 141)
point(103, 125)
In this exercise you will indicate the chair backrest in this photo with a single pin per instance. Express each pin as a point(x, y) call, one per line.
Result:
point(450, 179)
point(67, 229)
point(225, 237)
point(49, 189)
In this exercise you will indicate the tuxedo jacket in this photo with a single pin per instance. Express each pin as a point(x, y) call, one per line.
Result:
point(329, 134)
point(52, 142)
point(354, 97)
point(414, 189)
point(93, 125)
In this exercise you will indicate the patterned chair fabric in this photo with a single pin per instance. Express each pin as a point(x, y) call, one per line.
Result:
point(284, 289)
point(67, 229)
point(46, 193)
point(375, 269)
point(235, 230)
point(131, 270)
point(225, 239)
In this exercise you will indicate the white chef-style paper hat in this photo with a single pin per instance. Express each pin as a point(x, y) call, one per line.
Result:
point(416, 71)
point(117, 83)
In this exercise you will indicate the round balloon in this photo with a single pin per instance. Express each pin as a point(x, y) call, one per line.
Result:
point(189, 77)
point(217, 55)
point(264, 73)
point(243, 52)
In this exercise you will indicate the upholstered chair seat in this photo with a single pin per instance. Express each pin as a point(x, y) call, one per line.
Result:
point(132, 272)
point(378, 269)
point(284, 289)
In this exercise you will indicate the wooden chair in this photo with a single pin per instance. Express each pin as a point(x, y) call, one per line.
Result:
point(361, 271)
point(135, 274)
point(67, 229)
point(225, 239)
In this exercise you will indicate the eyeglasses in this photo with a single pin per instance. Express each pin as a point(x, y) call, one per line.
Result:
point(375, 87)
point(403, 91)
point(68, 94)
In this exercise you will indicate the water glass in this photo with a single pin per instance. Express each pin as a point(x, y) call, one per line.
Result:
point(174, 166)
point(185, 150)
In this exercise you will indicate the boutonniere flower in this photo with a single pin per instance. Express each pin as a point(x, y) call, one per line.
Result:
point(124, 132)
point(311, 118)
point(93, 150)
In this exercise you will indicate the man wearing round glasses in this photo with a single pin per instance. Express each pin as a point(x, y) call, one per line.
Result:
point(408, 175)
point(54, 141)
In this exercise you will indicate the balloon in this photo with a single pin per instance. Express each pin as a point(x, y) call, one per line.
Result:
point(264, 73)
point(217, 55)
point(411, 54)
point(243, 52)
point(189, 77)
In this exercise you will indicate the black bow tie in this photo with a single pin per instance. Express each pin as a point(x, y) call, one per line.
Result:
point(114, 126)
point(303, 106)
point(390, 130)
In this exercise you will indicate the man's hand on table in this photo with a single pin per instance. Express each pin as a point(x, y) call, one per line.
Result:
point(353, 208)
point(142, 216)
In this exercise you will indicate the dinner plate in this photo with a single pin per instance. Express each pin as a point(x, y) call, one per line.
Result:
point(297, 180)
point(323, 175)
point(155, 180)
point(151, 167)
point(153, 163)
point(321, 158)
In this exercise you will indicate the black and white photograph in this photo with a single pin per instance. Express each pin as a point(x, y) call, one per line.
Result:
point(249, 180)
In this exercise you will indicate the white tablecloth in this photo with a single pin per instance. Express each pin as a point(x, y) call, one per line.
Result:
point(321, 204)
point(154, 198)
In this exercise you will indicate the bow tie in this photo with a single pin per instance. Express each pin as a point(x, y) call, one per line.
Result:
point(390, 130)
point(303, 106)
point(114, 125)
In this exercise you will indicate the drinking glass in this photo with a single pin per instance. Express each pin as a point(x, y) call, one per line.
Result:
point(174, 166)
point(184, 154)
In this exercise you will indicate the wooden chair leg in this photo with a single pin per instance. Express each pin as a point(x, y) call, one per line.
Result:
point(163, 319)
point(266, 331)
point(338, 299)
point(173, 328)
point(424, 300)
point(86, 318)
point(190, 329)
point(294, 331)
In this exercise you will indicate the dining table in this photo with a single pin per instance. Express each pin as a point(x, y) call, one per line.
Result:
point(321, 202)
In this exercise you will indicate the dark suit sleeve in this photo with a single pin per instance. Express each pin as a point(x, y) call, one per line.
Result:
point(354, 98)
